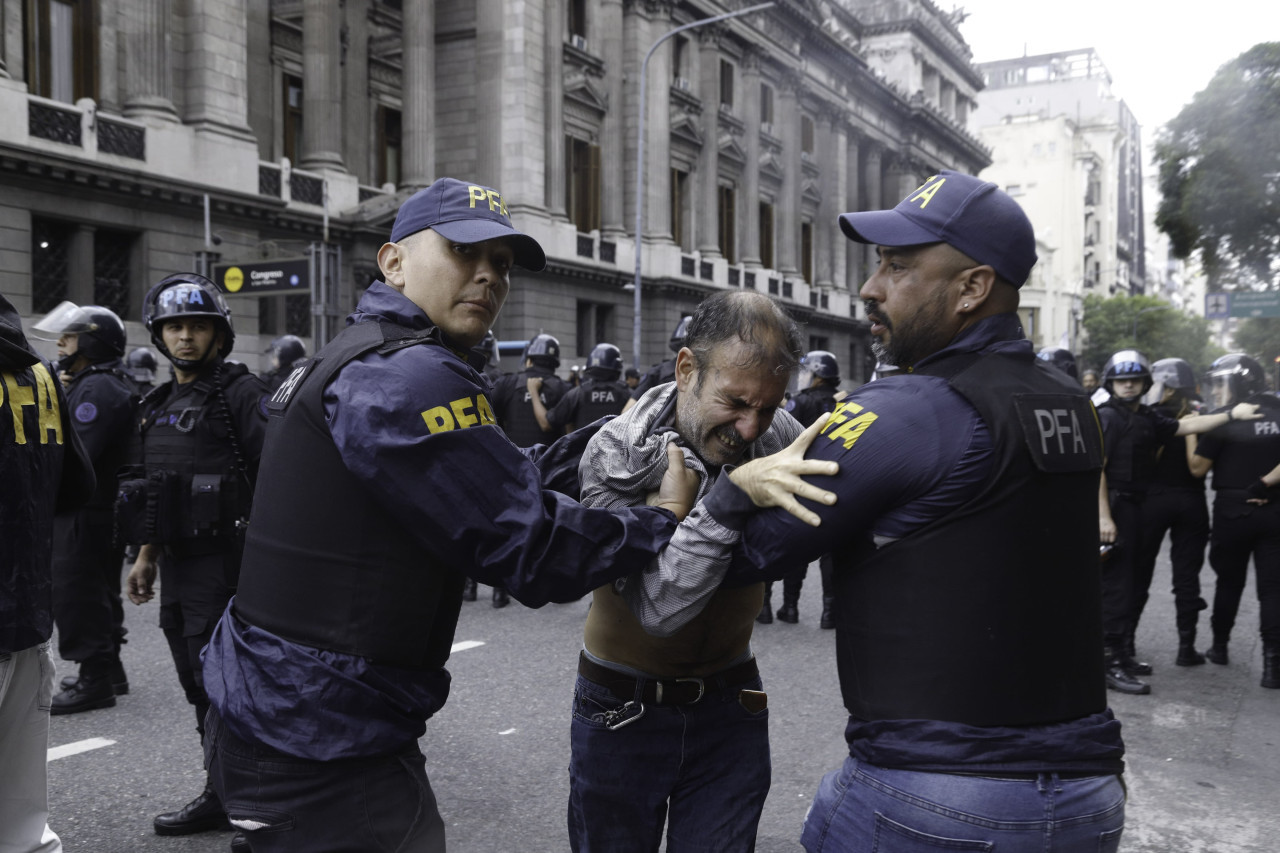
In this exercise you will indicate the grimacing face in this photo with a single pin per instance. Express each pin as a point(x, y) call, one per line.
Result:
point(725, 405)
point(460, 286)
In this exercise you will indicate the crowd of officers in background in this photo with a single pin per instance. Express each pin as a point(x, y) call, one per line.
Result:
point(189, 450)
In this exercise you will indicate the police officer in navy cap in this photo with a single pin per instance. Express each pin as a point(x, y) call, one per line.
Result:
point(86, 561)
point(521, 400)
point(1133, 434)
point(600, 394)
point(1245, 460)
point(187, 499)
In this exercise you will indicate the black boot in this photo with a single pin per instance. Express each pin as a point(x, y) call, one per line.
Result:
point(1128, 660)
point(828, 618)
point(1187, 654)
point(1217, 653)
point(500, 597)
point(765, 616)
point(202, 814)
point(789, 611)
point(1271, 666)
point(468, 590)
point(240, 844)
point(1119, 679)
point(92, 690)
point(119, 681)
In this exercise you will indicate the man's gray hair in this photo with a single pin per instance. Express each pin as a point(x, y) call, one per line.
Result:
point(771, 336)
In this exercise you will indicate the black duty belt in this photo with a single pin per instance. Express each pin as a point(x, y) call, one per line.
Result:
point(666, 691)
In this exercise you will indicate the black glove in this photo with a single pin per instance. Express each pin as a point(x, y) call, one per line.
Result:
point(1260, 490)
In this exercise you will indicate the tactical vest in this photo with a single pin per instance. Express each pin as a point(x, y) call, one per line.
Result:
point(1131, 456)
point(991, 615)
point(106, 384)
point(198, 487)
point(813, 402)
point(599, 398)
point(1171, 471)
point(325, 563)
point(515, 413)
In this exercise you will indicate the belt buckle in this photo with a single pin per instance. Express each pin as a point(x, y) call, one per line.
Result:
point(702, 689)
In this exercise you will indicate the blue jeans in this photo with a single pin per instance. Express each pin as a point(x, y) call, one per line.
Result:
point(703, 768)
point(876, 810)
point(294, 804)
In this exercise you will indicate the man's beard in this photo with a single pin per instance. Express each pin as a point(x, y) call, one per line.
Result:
point(915, 340)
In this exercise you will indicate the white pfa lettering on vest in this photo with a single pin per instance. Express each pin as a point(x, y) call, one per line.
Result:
point(1060, 426)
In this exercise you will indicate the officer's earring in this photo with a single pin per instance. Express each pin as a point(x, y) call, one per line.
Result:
point(966, 305)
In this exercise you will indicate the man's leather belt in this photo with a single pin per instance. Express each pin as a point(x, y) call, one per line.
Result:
point(666, 691)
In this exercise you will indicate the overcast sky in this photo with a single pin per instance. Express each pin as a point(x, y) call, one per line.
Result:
point(1159, 52)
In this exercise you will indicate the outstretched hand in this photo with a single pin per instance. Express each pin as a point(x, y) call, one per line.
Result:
point(679, 489)
point(775, 480)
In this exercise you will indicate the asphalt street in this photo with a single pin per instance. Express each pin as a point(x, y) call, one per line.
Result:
point(1203, 749)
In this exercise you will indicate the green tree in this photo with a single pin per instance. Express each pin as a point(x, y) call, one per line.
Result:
point(1260, 338)
point(1162, 331)
point(1219, 166)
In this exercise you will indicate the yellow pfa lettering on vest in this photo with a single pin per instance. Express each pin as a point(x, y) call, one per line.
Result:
point(42, 397)
point(926, 191)
point(848, 422)
point(489, 197)
point(459, 414)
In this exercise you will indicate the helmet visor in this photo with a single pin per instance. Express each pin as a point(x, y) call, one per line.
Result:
point(1221, 389)
point(66, 319)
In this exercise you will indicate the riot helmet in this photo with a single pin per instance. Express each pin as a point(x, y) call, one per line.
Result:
point(100, 333)
point(544, 351)
point(488, 350)
point(681, 332)
point(1234, 378)
point(286, 351)
point(186, 295)
point(1172, 374)
point(605, 362)
point(1127, 364)
point(822, 364)
point(1059, 357)
point(141, 365)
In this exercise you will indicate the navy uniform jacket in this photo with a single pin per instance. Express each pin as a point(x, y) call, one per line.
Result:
point(43, 470)
point(103, 403)
point(911, 450)
point(415, 427)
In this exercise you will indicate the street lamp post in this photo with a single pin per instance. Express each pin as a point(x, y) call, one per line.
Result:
point(644, 69)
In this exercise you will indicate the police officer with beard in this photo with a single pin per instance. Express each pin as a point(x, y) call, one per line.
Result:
point(600, 394)
point(1244, 458)
point(86, 557)
point(1175, 504)
point(1132, 435)
point(199, 442)
point(521, 400)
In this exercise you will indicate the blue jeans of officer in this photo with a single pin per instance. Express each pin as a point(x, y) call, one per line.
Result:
point(291, 804)
point(877, 810)
point(703, 767)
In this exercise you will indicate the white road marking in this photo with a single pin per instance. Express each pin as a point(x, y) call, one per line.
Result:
point(78, 747)
point(465, 644)
point(508, 732)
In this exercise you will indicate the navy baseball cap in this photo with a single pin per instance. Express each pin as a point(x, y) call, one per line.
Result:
point(465, 213)
point(972, 215)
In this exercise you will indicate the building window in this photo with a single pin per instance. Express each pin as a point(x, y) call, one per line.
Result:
point(679, 204)
point(50, 253)
point(582, 183)
point(62, 49)
point(806, 251)
point(292, 142)
point(595, 326)
point(728, 223)
point(726, 85)
point(766, 105)
point(806, 134)
point(679, 59)
point(578, 18)
point(766, 235)
point(112, 258)
point(388, 146)
point(819, 342)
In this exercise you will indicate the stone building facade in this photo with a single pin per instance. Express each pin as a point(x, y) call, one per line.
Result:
point(292, 124)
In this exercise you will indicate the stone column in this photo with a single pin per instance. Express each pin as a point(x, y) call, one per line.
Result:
point(750, 197)
point(216, 61)
point(823, 238)
point(489, 69)
point(657, 128)
point(708, 218)
point(831, 225)
point(872, 180)
point(418, 93)
point(613, 170)
point(855, 272)
point(790, 87)
point(80, 265)
point(321, 86)
point(553, 120)
point(147, 81)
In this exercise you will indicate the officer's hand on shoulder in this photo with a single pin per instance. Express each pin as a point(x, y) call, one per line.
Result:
point(1246, 412)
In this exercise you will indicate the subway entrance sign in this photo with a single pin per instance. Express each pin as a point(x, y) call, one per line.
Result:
point(282, 275)
point(1244, 303)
